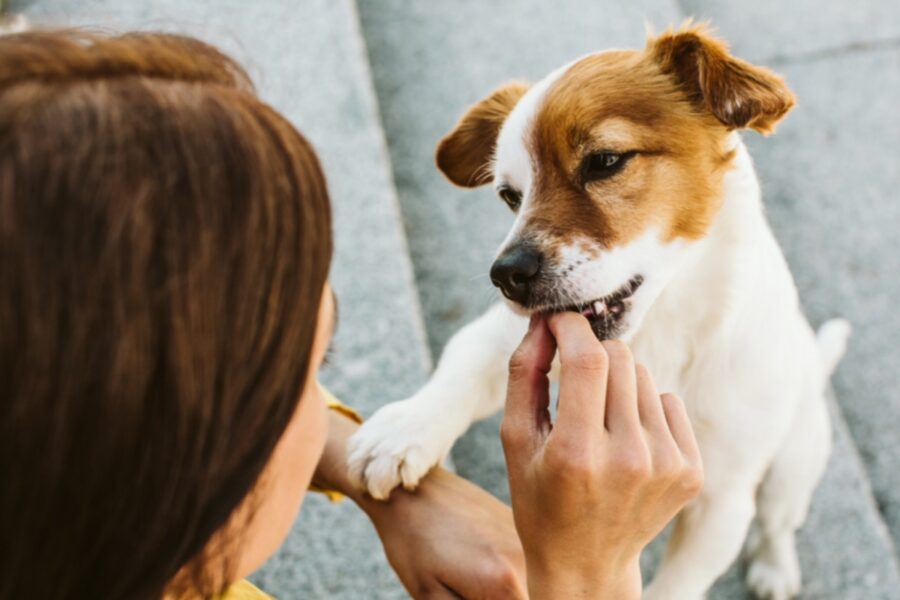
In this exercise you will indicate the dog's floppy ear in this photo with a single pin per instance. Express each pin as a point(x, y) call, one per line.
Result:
point(464, 155)
point(737, 93)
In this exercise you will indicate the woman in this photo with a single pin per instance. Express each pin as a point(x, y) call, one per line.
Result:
point(164, 307)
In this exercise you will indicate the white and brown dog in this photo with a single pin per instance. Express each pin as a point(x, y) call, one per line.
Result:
point(637, 205)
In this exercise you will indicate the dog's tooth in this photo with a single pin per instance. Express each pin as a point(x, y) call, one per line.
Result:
point(599, 307)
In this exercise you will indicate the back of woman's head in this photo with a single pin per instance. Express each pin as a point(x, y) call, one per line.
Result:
point(164, 242)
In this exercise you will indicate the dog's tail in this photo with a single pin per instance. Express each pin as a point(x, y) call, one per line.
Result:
point(832, 338)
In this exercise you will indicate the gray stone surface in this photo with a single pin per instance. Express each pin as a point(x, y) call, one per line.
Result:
point(308, 60)
point(770, 30)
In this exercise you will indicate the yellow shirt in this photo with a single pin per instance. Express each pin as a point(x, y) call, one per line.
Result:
point(336, 405)
point(244, 590)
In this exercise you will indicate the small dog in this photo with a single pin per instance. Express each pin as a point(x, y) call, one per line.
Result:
point(637, 205)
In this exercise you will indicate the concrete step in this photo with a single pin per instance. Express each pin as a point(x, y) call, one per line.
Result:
point(430, 61)
point(771, 30)
point(308, 59)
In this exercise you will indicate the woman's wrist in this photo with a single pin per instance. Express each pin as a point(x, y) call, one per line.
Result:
point(331, 473)
point(601, 579)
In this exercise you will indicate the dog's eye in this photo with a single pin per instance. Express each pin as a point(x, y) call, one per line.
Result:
point(513, 198)
point(603, 165)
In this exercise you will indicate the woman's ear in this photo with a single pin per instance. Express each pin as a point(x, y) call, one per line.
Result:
point(737, 93)
point(464, 155)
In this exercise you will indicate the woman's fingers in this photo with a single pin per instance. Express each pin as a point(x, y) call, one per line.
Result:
point(649, 403)
point(621, 391)
point(606, 499)
point(527, 418)
point(584, 367)
point(680, 426)
point(600, 389)
point(442, 591)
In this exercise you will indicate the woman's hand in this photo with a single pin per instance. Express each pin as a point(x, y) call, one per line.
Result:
point(448, 539)
point(451, 539)
point(592, 489)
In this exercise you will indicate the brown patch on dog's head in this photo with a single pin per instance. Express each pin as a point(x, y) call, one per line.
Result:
point(623, 103)
point(667, 112)
point(464, 155)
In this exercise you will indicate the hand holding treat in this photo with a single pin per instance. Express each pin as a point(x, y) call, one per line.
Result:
point(591, 489)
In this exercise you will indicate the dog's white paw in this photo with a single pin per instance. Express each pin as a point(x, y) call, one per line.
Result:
point(398, 445)
point(769, 581)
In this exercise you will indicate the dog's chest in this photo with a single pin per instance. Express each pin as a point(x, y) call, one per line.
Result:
point(666, 356)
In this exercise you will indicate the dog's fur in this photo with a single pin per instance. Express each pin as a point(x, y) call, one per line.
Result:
point(716, 317)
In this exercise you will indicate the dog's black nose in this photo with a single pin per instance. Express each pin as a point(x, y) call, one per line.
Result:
point(514, 271)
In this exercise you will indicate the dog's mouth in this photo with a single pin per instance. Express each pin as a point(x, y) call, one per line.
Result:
point(606, 314)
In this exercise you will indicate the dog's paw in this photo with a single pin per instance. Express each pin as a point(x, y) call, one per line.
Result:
point(398, 445)
point(769, 581)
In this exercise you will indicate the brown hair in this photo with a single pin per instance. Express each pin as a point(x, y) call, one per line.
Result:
point(165, 239)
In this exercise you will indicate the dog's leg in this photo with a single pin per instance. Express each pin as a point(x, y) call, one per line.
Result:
point(707, 537)
point(783, 502)
point(405, 439)
point(784, 496)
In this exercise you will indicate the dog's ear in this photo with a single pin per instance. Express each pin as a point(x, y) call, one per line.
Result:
point(737, 93)
point(464, 155)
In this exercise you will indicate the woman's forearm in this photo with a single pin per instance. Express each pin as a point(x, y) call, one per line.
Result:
point(331, 473)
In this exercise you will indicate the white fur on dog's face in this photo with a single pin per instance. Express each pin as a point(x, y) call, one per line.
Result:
point(582, 270)
point(587, 275)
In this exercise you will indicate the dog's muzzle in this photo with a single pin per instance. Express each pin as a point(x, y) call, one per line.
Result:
point(515, 271)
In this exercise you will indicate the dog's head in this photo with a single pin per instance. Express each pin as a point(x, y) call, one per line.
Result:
point(613, 166)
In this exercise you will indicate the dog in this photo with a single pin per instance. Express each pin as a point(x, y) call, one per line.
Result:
point(636, 204)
